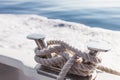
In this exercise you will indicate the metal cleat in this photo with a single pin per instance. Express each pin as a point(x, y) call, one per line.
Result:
point(98, 46)
point(39, 39)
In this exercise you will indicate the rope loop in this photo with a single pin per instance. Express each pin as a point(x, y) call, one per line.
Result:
point(69, 60)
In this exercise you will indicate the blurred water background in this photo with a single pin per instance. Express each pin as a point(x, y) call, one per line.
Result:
point(94, 13)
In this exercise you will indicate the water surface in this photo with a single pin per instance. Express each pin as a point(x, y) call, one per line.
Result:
point(95, 13)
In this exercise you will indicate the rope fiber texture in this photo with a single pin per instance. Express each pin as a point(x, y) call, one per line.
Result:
point(68, 59)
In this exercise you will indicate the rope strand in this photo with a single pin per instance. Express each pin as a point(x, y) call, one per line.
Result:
point(63, 49)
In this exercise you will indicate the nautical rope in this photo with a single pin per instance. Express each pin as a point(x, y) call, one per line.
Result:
point(108, 70)
point(65, 61)
point(74, 50)
point(66, 68)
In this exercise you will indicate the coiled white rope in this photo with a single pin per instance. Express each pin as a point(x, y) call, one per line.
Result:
point(65, 61)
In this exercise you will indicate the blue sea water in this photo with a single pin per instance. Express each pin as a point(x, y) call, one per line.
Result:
point(94, 13)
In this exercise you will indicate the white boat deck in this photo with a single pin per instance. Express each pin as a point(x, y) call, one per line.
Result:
point(23, 62)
